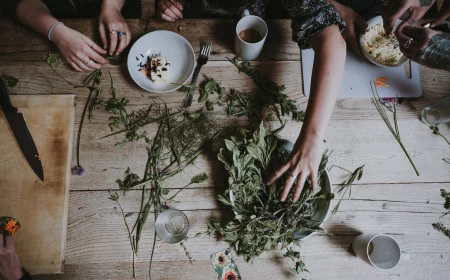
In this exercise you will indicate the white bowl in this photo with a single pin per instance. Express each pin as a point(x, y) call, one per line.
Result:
point(171, 45)
point(371, 22)
point(323, 205)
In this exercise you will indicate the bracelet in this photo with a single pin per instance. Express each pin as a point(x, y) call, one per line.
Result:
point(51, 29)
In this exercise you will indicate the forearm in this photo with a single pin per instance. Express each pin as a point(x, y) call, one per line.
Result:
point(329, 59)
point(36, 15)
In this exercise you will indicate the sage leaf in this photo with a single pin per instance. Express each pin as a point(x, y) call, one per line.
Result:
point(199, 178)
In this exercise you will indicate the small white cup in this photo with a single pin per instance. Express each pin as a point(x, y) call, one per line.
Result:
point(384, 253)
point(250, 51)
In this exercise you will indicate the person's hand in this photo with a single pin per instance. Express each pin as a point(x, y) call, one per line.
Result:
point(113, 28)
point(426, 46)
point(80, 51)
point(170, 10)
point(355, 25)
point(9, 261)
point(393, 9)
point(303, 162)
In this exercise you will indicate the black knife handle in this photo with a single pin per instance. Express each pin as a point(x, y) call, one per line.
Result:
point(5, 103)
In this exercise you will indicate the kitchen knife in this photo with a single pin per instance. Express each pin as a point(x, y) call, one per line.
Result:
point(20, 130)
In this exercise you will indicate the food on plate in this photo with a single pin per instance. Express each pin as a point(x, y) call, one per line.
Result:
point(159, 69)
point(381, 48)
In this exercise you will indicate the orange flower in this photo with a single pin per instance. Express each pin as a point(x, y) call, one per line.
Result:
point(229, 275)
point(11, 227)
point(381, 82)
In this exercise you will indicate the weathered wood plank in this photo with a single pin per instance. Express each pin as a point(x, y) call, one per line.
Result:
point(432, 266)
point(220, 32)
point(96, 231)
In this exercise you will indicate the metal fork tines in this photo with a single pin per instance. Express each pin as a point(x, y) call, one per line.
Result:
point(203, 57)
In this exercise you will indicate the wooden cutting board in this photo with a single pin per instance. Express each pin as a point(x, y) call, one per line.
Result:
point(41, 207)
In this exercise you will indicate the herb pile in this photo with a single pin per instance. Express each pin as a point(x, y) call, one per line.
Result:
point(439, 226)
point(268, 100)
point(262, 220)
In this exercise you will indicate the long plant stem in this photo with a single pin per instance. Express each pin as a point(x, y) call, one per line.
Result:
point(91, 90)
point(129, 235)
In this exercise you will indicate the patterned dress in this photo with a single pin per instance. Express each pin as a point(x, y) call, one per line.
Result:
point(308, 16)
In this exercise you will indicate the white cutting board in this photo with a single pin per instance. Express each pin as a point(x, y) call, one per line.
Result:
point(358, 72)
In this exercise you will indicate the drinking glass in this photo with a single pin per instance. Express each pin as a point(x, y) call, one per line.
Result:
point(437, 113)
point(172, 226)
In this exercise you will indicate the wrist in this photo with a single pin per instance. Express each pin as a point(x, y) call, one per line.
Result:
point(109, 5)
point(58, 33)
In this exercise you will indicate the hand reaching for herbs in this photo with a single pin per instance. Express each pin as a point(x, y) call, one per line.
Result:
point(113, 28)
point(428, 47)
point(170, 10)
point(303, 163)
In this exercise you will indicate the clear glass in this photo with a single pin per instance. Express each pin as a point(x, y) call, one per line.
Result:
point(437, 113)
point(172, 226)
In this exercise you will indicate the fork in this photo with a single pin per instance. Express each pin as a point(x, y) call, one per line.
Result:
point(205, 51)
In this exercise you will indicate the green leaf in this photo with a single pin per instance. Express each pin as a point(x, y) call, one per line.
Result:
point(203, 96)
point(199, 178)
point(210, 86)
point(114, 60)
point(165, 191)
point(10, 81)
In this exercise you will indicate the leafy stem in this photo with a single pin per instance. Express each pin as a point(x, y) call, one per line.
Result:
point(395, 131)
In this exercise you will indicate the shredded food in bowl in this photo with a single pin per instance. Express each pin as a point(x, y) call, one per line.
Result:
point(381, 48)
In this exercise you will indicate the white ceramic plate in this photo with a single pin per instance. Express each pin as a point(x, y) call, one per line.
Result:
point(170, 45)
point(323, 206)
point(371, 22)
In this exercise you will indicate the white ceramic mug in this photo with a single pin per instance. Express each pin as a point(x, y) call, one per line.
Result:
point(379, 250)
point(249, 51)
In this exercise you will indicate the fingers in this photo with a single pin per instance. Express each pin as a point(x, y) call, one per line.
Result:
point(415, 32)
point(75, 66)
point(172, 8)
point(82, 65)
point(287, 187)
point(277, 174)
point(97, 49)
point(314, 181)
point(299, 186)
point(112, 39)
point(165, 17)
point(352, 42)
point(101, 30)
point(122, 44)
point(179, 4)
point(394, 12)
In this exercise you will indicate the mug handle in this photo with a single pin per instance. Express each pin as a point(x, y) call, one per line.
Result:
point(245, 13)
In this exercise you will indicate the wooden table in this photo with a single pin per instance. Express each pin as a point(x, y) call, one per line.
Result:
point(390, 198)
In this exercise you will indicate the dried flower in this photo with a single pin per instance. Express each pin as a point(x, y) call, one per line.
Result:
point(78, 171)
point(8, 226)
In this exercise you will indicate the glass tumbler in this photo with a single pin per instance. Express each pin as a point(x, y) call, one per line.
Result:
point(172, 226)
point(437, 113)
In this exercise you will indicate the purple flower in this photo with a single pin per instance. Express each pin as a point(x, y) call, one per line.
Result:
point(78, 171)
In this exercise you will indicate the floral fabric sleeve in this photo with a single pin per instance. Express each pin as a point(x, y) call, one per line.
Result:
point(310, 17)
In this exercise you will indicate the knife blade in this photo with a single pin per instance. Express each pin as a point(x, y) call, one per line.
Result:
point(447, 160)
point(21, 132)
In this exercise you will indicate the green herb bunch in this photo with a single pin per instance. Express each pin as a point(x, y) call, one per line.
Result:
point(262, 220)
